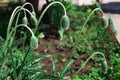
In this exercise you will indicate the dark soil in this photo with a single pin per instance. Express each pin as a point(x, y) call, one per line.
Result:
point(62, 56)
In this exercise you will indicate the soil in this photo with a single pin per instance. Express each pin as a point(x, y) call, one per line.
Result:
point(62, 55)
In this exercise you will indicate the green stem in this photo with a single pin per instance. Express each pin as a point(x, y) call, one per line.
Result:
point(11, 20)
point(96, 9)
point(83, 65)
point(23, 63)
point(13, 17)
point(3, 64)
point(23, 26)
point(29, 4)
point(24, 11)
point(14, 30)
point(40, 18)
point(14, 14)
point(16, 10)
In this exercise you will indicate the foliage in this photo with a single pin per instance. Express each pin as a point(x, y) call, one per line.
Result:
point(19, 61)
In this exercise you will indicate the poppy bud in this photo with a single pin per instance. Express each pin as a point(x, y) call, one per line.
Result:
point(33, 13)
point(34, 19)
point(104, 66)
point(25, 20)
point(104, 20)
point(65, 23)
point(34, 42)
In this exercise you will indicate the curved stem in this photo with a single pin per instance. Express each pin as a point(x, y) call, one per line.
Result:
point(83, 65)
point(96, 9)
point(11, 20)
point(24, 9)
point(40, 18)
point(29, 4)
point(23, 26)
point(13, 16)
point(14, 30)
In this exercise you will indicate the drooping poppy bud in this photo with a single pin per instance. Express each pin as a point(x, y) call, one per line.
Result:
point(34, 19)
point(34, 42)
point(104, 66)
point(65, 23)
point(33, 13)
point(25, 20)
point(105, 22)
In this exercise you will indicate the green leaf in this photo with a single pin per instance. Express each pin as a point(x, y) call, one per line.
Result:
point(66, 68)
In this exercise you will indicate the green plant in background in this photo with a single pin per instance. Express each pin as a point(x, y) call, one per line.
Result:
point(79, 39)
point(99, 40)
point(22, 63)
point(105, 68)
point(19, 63)
point(103, 18)
point(24, 66)
point(64, 25)
point(64, 21)
point(95, 2)
point(103, 62)
point(114, 69)
point(112, 25)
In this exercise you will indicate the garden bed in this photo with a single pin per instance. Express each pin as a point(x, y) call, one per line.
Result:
point(77, 50)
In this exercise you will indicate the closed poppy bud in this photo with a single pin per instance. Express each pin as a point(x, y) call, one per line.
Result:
point(33, 13)
point(65, 23)
point(105, 22)
point(25, 20)
point(104, 66)
point(34, 19)
point(34, 42)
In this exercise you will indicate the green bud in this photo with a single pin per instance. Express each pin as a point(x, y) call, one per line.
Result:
point(65, 23)
point(34, 19)
point(25, 20)
point(104, 66)
point(104, 21)
point(34, 42)
point(111, 24)
point(33, 13)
